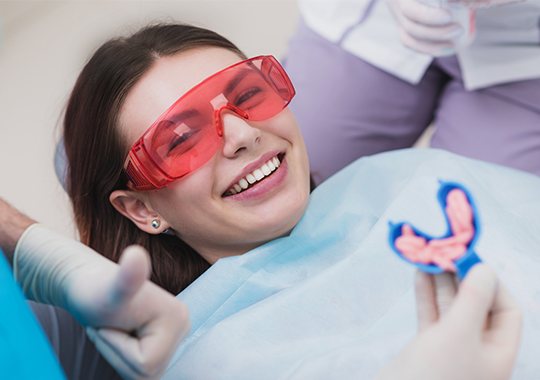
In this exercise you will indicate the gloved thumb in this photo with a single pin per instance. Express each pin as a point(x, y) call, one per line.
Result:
point(134, 269)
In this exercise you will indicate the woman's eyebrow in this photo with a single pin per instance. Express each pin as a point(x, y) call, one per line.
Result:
point(236, 80)
point(179, 117)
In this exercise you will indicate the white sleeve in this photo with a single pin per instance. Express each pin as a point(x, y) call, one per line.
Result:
point(43, 261)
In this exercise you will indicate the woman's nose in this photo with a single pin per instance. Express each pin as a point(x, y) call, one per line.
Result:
point(238, 134)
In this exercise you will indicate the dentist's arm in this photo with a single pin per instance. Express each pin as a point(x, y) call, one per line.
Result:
point(12, 225)
point(135, 324)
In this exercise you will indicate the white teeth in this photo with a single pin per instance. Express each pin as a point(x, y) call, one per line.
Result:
point(265, 170)
point(258, 174)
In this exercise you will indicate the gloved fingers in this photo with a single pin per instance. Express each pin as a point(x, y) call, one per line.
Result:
point(144, 352)
point(434, 297)
point(134, 269)
point(475, 299)
point(504, 325)
point(445, 292)
point(427, 47)
point(426, 305)
point(121, 351)
point(158, 339)
point(446, 33)
point(166, 331)
point(425, 14)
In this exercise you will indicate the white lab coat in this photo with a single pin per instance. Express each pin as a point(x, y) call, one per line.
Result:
point(506, 48)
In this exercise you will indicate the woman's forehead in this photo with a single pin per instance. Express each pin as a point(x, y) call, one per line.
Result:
point(168, 79)
point(182, 71)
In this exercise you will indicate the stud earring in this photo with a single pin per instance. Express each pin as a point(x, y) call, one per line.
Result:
point(155, 223)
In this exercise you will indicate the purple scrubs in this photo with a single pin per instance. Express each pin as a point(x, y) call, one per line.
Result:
point(348, 108)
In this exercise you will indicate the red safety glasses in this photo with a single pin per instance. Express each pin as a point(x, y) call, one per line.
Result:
point(189, 133)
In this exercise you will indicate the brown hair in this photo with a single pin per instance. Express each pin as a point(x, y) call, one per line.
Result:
point(96, 151)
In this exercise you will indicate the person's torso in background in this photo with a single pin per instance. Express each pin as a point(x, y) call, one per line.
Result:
point(506, 47)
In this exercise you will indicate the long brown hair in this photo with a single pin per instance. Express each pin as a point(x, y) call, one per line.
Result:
point(96, 151)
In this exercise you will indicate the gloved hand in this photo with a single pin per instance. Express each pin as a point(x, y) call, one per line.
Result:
point(431, 29)
point(135, 324)
point(485, 3)
point(477, 338)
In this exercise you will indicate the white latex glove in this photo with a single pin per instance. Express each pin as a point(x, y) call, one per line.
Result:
point(484, 3)
point(135, 324)
point(429, 29)
point(476, 339)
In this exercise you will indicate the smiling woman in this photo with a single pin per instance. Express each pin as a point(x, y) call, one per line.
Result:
point(245, 125)
point(241, 122)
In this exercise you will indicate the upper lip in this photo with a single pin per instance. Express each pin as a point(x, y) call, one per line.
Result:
point(252, 166)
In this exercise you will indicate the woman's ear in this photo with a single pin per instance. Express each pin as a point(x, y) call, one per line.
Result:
point(134, 207)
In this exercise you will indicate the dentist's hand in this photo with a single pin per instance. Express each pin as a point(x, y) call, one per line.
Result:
point(476, 338)
point(138, 324)
point(135, 324)
point(425, 28)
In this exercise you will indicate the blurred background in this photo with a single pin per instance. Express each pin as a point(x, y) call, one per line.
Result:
point(44, 45)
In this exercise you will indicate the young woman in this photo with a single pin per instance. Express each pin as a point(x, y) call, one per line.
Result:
point(127, 85)
point(177, 142)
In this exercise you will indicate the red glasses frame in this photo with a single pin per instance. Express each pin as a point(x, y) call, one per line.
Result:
point(190, 131)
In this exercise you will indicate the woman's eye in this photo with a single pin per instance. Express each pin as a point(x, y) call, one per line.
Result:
point(247, 95)
point(179, 139)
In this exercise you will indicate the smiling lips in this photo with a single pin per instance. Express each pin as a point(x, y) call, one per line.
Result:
point(254, 177)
